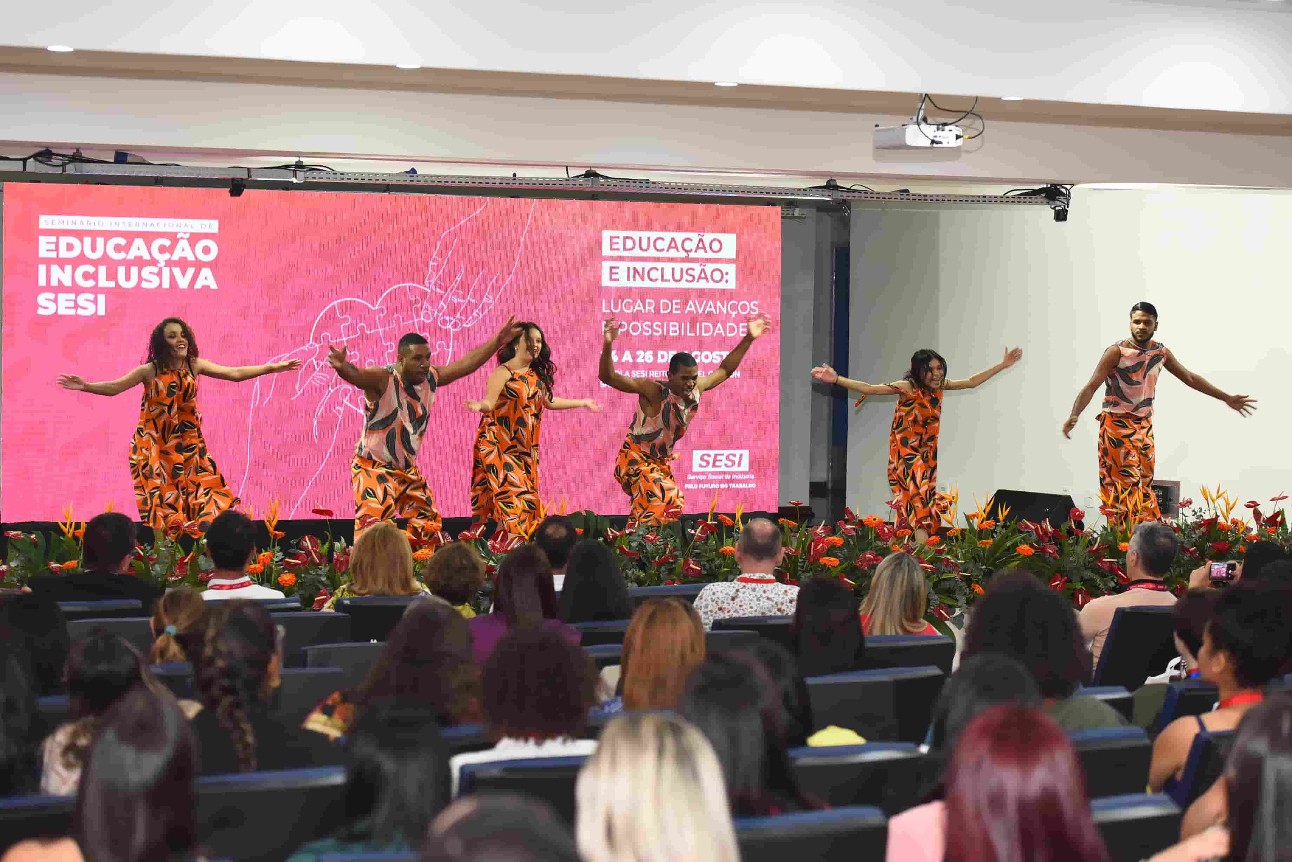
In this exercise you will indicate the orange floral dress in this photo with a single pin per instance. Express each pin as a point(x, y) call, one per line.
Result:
point(173, 473)
point(913, 458)
point(1127, 452)
point(504, 466)
point(643, 468)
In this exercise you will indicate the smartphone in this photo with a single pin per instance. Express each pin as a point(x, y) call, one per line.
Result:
point(1222, 574)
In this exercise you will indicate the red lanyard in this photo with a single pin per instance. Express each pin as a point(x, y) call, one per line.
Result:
point(1241, 699)
point(757, 579)
point(236, 585)
point(1155, 586)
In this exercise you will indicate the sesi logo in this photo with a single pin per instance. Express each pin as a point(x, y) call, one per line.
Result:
point(719, 460)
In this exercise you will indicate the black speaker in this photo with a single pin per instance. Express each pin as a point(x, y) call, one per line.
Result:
point(1033, 506)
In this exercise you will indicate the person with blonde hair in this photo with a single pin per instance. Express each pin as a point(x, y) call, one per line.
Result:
point(898, 599)
point(663, 644)
point(381, 564)
point(653, 791)
point(176, 613)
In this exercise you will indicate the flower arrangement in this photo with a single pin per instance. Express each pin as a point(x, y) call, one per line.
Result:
point(958, 560)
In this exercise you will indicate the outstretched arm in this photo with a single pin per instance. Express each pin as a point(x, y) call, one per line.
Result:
point(479, 355)
point(1011, 357)
point(758, 325)
point(371, 380)
point(493, 388)
point(826, 374)
point(1107, 363)
point(572, 404)
point(1241, 403)
point(242, 372)
point(606, 366)
point(108, 387)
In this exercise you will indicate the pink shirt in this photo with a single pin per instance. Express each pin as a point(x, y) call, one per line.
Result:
point(1097, 616)
point(1133, 383)
point(394, 424)
point(655, 436)
point(918, 834)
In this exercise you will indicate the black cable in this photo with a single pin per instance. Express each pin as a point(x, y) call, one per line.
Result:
point(938, 107)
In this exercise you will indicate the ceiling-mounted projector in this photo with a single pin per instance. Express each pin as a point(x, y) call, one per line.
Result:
point(918, 136)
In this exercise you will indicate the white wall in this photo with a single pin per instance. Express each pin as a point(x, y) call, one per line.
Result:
point(970, 283)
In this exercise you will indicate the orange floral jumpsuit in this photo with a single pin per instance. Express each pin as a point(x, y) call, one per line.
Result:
point(174, 475)
point(643, 467)
point(1127, 453)
point(504, 467)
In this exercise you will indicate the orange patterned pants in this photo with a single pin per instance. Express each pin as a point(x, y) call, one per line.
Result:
point(652, 491)
point(384, 492)
point(1126, 461)
point(177, 477)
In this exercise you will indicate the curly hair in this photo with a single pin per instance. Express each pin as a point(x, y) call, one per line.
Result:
point(159, 351)
point(455, 573)
point(542, 365)
point(231, 670)
point(174, 614)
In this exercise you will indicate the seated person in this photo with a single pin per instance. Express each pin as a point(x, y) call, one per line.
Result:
point(594, 589)
point(108, 548)
point(523, 597)
point(756, 592)
point(456, 573)
point(663, 644)
point(898, 599)
point(1148, 560)
point(231, 542)
point(381, 564)
point(827, 628)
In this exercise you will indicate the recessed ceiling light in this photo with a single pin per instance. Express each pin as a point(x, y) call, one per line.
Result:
point(725, 84)
point(408, 65)
point(1011, 98)
point(60, 49)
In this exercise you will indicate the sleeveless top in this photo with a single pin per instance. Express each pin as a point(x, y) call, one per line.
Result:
point(1130, 388)
point(517, 417)
point(168, 407)
point(656, 435)
point(917, 417)
point(393, 425)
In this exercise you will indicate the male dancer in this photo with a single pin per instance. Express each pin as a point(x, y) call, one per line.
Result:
point(387, 483)
point(663, 412)
point(1129, 370)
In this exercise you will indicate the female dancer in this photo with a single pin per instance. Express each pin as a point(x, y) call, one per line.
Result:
point(913, 441)
point(174, 475)
point(504, 466)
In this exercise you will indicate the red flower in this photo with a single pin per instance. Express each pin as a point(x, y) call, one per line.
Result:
point(1219, 547)
point(1076, 514)
point(1058, 582)
point(311, 551)
point(366, 521)
point(1280, 498)
point(321, 599)
point(13, 534)
point(612, 534)
point(1186, 502)
point(847, 529)
point(673, 513)
point(1080, 597)
point(868, 559)
point(666, 559)
point(849, 515)
point(323, 513)
point(796, 503)
point(1251, 504)
point(503, 543)
point(651, 538)
point(691, 569)
point(341, 561)
point(295, 561)
point(1050, 551)
point(1122, 577)
point(632, 555)
point(885, 532)
point(205, 577)
point(472, 534)
point(942, 612)
point(705, 529)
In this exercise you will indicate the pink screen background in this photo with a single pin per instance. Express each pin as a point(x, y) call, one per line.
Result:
point(296, 270)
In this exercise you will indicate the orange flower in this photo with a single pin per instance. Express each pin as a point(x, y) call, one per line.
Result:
point(265, 558)
point(786, 522)
point(977, 588)
point(423, 554)
point(895, 548)
point(277, 534)
point(932, 541)
point(872, 521)
point(1273, 530)
point(725, 521)
point(833, 541)
point(1025, 550)
point(287, 580)
point(69, 565)
point(985, 543)
point(829, 562)
point(1242, 549)
point(1123, 546)
point(954, 531)
point(255, 569)
point(578, 531)
point(727, 551)
point(903, 533)
point(986, 525)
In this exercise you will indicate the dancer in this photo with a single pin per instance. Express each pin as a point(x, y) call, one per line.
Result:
point(387, 483)
point(663, 412)
point(913, 441)
point(175, 477)
point(1128, 370)
point(504, 467)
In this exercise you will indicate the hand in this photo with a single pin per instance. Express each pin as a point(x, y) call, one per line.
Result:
point(759, 324)
point(1244, 405)
point(510, 332)
point(1012, 356)
point(288, 365)
point(71, 381)
point(478, 406)
point(589, 404)
point(1200, 578)
point(1212, 843)
point(1068, 426)
point(610, 331)
point(336, 356)
point(825, 374)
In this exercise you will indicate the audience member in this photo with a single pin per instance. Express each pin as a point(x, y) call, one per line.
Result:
point(1244, 646)
point(538, 688)
point(1278, 572)
point(36, 625)
point(523, 598)
point(594, 589)
point(731, 701)
point(555, 537)
point(756, 592)
point(499, 827)
point(826, 628)
point(175, 615)
point(107, 549)
point(898, 599)
point(231, 542)
point(653, 790)
point(783, 673)
point(137, 800)
point(381, 564)
point(663, 644)
point(1020, 618)
point(1149, 558)
point(1258, 555)
point(1189, 620)
point(456, 573)
point(397, 780)
point(101, 668)
point(235, 669)
point(17, 720)
point(426, 663)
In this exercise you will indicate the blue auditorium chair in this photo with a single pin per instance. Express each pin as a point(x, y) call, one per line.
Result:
point(310, 628)
point(355, 660)
point(1114, 759)
point(848, 834)
point(1135, 826)
point(107, 609)
point(883, 774)
point(884, 705)
point(1140, 643)
point(688, 592)
point(259, 816)
point(775, 628)
point(908, 651)
point(373, 617)
point(551, 779)
point(602, 632)
point(133, 630)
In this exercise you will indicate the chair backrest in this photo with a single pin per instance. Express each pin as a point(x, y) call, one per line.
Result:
point(775, 628)
point(883, 774)
point(308, 628)
point(107, 609)
point(355, 660)
point(1186, 697)
point(734, 639)
point(1136, 826)
point(279, 606)
point(637, 595)
point(551, 779)
point(24, 817)
point(602, 632)
point(134, 630)
point(266, 815)
point(1204, 765)
point(908, 651)
point(1140, 643)
point(176, 676)
point(373, 617)
point(847, 834)
point(1114, 759)
point(304, 688)
point(605, 655)
point(1114, 695)
point(51, 711)
point(885, 705)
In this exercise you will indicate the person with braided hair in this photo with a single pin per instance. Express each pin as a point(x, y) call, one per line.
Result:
point(235, 669)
